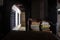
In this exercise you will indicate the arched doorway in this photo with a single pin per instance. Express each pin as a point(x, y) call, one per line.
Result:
point(17, 18)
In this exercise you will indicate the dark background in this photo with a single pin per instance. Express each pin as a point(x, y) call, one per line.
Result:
point(45, 9)
point(32, 8)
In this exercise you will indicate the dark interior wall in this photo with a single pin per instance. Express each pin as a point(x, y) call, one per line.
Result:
point(52, 10)
point(1, 2)
point(43, 9)
point(52, 13)
point(35, 11)
point(1, 18)
point(39, 9)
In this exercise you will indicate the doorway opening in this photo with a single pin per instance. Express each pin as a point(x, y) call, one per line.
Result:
point(17, 18)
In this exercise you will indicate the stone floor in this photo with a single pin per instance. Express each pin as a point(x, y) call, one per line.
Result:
point(22, 29)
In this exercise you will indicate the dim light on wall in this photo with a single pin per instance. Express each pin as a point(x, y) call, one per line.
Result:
point(58, 9)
